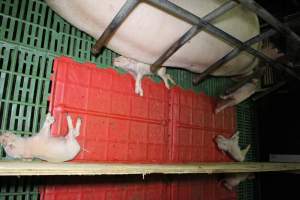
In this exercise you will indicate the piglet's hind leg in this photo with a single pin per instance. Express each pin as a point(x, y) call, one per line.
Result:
point(165, 77)
point(77, 127)
point(73, 132)
point(46, 126)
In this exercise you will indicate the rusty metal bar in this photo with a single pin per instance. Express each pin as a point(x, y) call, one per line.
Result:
point(257, 74)
point(193, 19)
point(190, 34)
point(231, 55)
point(114, 24)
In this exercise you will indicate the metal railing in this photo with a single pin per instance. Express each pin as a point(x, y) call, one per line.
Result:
point(200, 24)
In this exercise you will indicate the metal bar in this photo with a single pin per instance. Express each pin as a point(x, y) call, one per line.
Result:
point(275, 87)
point(193, 19)
point(264, 14)
point(190, 34)
point(231, 55)
point(114, 24)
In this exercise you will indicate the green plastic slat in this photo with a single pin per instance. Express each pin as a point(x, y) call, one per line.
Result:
point(20, 74)
point(54, 39)
point(7, 55)
point(18, 188)
point(12, 190)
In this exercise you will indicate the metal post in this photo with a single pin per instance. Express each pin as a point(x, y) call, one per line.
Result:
point(231, 55)
point(193, 19)
point(190, 34)
point(114, 24)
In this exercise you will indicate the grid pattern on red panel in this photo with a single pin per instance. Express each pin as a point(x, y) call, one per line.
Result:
point(188, 187)
point(198, 187)
point(118, 125)
point(194, 127)
point(104, 188)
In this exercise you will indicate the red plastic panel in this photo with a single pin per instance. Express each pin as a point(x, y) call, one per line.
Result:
point(198, 187)
point(104, 188)
point(194, 127)
point(118, 125)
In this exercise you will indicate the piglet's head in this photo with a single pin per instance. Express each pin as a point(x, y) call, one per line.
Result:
point(222, 142)
point(12, 144)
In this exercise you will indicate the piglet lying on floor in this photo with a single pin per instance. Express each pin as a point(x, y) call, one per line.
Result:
point(43, 145)
point(237, 96)
point(231, 146)
point(231, 181)
point(139, 70)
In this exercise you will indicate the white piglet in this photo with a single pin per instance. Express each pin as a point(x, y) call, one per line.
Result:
point(43, 145)
point(138, 70)
point(231, 181)
point(237, 96)
point(231, 146)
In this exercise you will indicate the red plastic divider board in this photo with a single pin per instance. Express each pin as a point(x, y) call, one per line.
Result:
point(185, 187)
point(104, 188)
point(194, 127)
point(198, 187)
point(118, 126)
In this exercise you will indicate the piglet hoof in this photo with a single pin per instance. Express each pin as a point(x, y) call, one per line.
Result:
point(69, 117)
point(167, 86)
point(78, 122)
point(50, 119)
point(136, 91)
point(139, 92)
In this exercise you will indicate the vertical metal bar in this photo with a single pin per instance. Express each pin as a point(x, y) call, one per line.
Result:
point(190, 34)
point(231, 55)
point(270, 19)
point(184, 14)
point(114, 24)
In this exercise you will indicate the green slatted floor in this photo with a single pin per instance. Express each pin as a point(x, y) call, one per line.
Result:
point(31, 35)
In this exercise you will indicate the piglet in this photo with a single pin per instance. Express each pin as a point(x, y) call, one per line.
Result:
point(237, 96)
point(231, 181)
point(231, 146)
point(43, 145)
point(138, 70)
